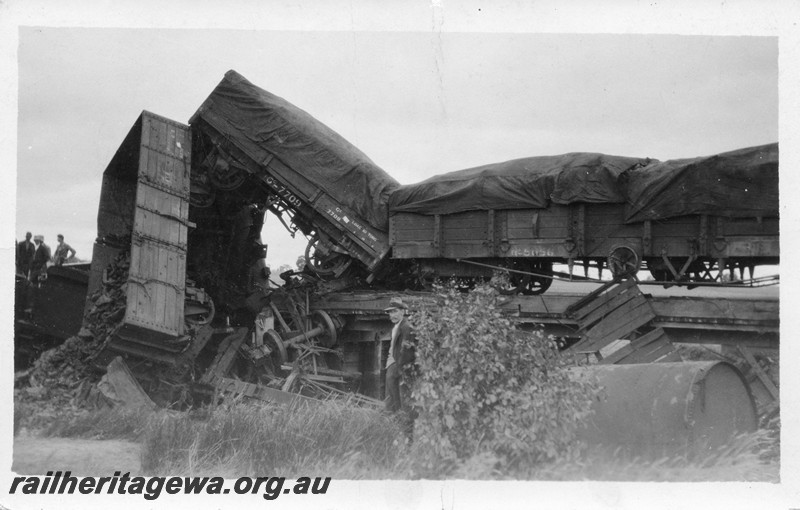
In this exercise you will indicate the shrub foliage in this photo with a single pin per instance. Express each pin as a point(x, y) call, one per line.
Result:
point(481, 387)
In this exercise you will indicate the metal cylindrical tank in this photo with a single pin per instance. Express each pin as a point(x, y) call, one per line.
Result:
point(669, 408)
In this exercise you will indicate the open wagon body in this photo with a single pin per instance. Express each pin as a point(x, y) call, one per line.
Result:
point(681, 219)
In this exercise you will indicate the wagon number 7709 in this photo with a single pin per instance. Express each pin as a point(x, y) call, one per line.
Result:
point(284, 192)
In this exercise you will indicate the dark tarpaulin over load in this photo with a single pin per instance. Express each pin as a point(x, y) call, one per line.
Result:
point(519, 184)
point(740, 183)
point(262, 124)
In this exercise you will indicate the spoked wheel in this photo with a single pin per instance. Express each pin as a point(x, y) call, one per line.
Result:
point(201, 194)
point(535, 285)
point(322, 260)
point(321, 319)
point(278, 354)
point(526, 284)
point(623, 261)
point(225, 176)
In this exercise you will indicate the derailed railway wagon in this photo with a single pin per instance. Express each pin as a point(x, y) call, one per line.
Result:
point(298, 168)
point(683, 220)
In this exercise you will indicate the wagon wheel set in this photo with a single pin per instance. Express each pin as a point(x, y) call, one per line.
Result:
point(215, 174)
point(294, 354)
point(624, 262)
point(289, 346)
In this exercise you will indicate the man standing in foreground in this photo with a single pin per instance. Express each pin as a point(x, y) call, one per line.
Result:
point(401, 352)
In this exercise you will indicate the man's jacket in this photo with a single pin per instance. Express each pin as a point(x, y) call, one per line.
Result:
point(404, 344)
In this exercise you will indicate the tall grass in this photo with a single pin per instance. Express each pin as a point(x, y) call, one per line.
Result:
point(239, 439)
point(343, 441)
point(741, 460)
point(105, 423)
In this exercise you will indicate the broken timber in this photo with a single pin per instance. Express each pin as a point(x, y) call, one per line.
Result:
point(619, 311)
point(733, 320)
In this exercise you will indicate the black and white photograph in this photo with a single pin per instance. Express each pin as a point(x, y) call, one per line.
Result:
point(413, 254)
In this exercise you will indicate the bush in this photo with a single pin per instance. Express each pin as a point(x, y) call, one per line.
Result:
point(484, 389)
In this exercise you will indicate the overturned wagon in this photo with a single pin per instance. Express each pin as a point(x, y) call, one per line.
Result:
point(304, 172)
point(681, 220)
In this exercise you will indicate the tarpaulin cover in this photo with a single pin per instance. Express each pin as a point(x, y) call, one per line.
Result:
point(740, 183)
point(262, 124)
point(519, 184)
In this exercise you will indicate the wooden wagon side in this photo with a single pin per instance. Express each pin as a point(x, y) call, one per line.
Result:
point(595, 234)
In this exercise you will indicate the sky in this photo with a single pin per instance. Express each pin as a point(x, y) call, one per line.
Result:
point(422, 87)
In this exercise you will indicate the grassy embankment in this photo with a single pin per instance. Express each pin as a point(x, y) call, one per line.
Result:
point(340, 440)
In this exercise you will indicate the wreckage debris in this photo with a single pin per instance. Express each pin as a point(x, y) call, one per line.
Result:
point(63, 377)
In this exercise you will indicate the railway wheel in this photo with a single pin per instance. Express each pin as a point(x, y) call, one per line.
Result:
point(535, 285)
point(322, 260)
point(321, 319)
point(526, 284)
point(278, 354)
point(226, 177)
point(623, 262)
point(201, 194)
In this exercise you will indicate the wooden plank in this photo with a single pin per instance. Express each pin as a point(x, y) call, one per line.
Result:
point(523, 218)
point(762, 376)
point(609, 330)
point(144, 134)
point(616, 297)
point(638, 343)
point(260, 392)
point(608, 306)
point(225, 358)
point(617, 355)
point(413, 221)
point(646, 343)
point(528, 233)
point(170, 303)
point(597, 297)
point(721, 309)
point(464, 220)
point(473, 235)
point(623, 321)
point(159, 290)
point(415, 234)
point(619, 316)
point(650, 353)
point(161, 129)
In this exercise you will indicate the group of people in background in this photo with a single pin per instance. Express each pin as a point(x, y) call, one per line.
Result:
point(34, 257)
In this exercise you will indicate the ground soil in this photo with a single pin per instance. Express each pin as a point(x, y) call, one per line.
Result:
point(83, 457)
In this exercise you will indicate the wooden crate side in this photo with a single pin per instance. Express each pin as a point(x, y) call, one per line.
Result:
point(616, 327)
point(608, 307)
point(643, 341)
point(620, 321)
point(599, 297)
